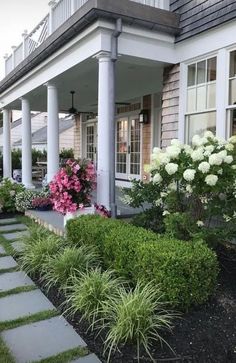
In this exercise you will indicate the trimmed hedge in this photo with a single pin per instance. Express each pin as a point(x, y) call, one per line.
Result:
point(186, 271)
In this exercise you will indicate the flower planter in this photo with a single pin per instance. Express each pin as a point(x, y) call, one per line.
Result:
point(78, 213)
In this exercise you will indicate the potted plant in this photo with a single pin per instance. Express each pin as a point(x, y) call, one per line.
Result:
point(42, 203)
point(71, 189)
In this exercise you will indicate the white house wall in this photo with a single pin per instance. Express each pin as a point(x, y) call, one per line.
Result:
point(67, 139)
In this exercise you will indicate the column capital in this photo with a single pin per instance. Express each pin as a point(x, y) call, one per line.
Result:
point(5, 56)
point(25, 33)
point(103, 56)
point(50, 85)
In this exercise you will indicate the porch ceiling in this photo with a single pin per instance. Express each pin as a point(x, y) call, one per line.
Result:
point(135, 77)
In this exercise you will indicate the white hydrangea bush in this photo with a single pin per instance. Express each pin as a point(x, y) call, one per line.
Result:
point(202, 177)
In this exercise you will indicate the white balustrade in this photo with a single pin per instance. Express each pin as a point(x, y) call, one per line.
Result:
point(8, 64)
point(18, 56)
point(60, 12)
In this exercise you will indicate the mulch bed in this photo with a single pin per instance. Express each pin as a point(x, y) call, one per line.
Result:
point(205, 334)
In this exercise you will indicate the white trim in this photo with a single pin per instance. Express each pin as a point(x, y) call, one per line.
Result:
point(123, 184)
point(182, 101)
point(221, 92)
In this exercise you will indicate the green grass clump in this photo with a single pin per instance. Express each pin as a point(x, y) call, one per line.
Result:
point(36, 253)
point(90, 291)
point(136, 316)
point(58, 269)
point(5, 356)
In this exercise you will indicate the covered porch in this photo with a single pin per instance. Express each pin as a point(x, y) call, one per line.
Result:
point(116, 70)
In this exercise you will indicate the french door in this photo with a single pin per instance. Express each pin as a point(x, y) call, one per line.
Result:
point(91, 143)
point(128, 148)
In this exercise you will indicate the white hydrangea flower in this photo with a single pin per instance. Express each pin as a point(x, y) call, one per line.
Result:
point(163, 194)
point(189, 188)
point(157, 179)
point(156, 150)
point(173, 151)
point(229, 147)
point(204, 167)
point(165, 213)
point(12, 193)
point(176, 142)
point(215, 159)
point(188, 150)
point(220, 172)
point(200, 223)
point(221, 141)
point(208, 150)
point(126, 199)
point(234, 167)
point(172, 186)
point(158, 202)
point(197, 140)
point(189, 174)
point(228, 159)
point(171, 168)
point(233, 139)
point(222, 154)
point(209, 134)
point(211, 179)
point(197, 155)
point(164, 158)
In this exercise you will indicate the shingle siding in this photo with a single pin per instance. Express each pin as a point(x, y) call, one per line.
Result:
point(197, 16)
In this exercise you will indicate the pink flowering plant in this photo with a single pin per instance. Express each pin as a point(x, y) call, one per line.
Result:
point(72, 186)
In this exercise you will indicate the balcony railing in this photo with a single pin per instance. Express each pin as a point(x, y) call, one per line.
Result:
point(60, 11)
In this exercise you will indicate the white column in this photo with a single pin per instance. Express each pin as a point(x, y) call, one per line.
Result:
point(13, 56)
point(105, 117)
point(52, 132)
point(7, 168)
point(51, 4)
point(73, 6)
point(221, 92)
point(26, 144)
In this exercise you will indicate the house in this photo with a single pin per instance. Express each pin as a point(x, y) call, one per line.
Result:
point(38, 121)
point(67, 136)
point(152, 70)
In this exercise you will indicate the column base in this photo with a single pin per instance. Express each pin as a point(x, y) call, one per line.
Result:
point(29, 186)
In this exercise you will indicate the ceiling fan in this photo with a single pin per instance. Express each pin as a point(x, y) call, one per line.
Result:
point(72, 110)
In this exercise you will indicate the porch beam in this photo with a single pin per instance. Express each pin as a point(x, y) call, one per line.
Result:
point(26, 144)
point(7, 163)
point(52, 132)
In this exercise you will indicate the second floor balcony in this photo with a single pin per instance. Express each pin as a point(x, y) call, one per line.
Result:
point(59, 12)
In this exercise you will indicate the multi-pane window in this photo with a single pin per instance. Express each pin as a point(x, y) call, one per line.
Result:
point(232, 95)
point(201, 97)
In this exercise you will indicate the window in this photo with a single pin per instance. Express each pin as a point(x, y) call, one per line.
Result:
point(231, 129)
point(201, 97)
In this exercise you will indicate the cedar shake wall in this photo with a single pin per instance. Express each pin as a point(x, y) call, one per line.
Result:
point(170, 105)
point(146, 137)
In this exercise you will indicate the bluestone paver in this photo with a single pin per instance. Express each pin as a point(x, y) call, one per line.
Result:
point(2, 250)
point(41, 340)
point(91, 358)
point(15, 235)
point(23, 304)
point(7, 262)
point(14, 227)
point(18, 246)
point(12, 280)
point(7, 221)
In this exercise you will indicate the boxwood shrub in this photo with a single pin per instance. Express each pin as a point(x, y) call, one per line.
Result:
point(185, 271)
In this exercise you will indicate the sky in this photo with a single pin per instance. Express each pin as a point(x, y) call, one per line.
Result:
point(15, 17)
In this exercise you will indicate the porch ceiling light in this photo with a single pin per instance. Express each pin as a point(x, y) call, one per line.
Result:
point(144, 117)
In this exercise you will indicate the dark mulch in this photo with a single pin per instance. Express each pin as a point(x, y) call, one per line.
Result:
point(4, 215)
point(205, 334)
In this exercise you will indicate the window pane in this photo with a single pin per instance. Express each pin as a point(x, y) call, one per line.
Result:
point(232, 69)
point(232, 92)
point(232, 130)
point(201, 98)
point(201, 72)
point(211, 69)
point(191, 75)
point(191, 103)
point(198, 124)
point(211, 95)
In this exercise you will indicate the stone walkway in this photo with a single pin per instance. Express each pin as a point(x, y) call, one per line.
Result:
point(36, 339)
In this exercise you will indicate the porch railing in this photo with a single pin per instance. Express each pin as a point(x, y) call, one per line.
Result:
point(60, 11)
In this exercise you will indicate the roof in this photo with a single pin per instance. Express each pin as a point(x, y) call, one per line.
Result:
point(130, 12)
point(40, 136)
point(16, 123)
